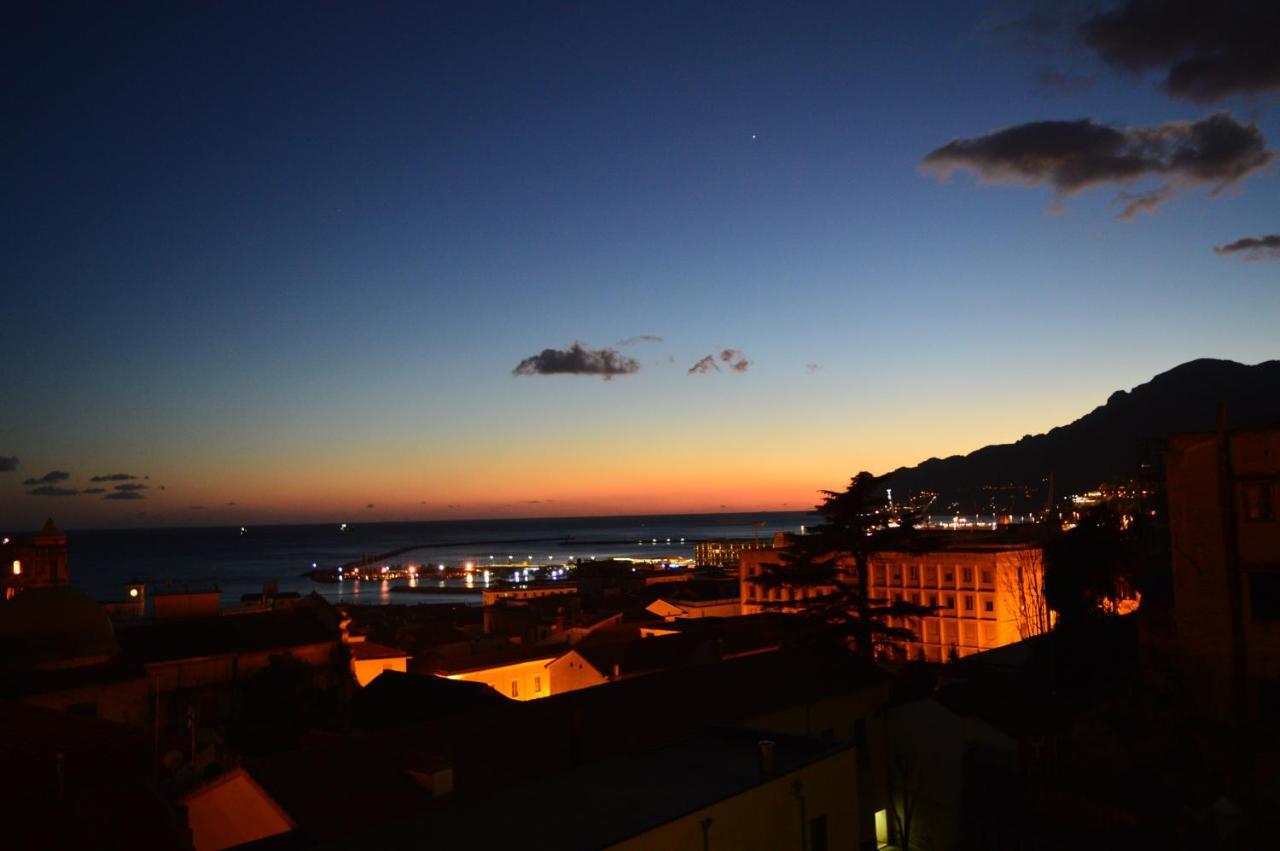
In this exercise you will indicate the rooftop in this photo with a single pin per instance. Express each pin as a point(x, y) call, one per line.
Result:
point(612, 800)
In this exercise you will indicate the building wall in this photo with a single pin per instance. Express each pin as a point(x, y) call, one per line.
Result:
point(571, 672)
point(1226, 566)
point(218, 670)
point(722, 553)
point(858, 718)
point(769, 817)
point(527, 680)
point(681, 609)
point(367, 670)
point(985, 599)
point(124, 702)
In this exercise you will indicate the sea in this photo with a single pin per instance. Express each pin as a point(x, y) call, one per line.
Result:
point(238, 560)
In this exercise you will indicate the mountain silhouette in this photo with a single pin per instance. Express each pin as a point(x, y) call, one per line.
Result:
point(1121, 439)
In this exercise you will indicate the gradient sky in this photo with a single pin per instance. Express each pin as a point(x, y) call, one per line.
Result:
point(287, 255)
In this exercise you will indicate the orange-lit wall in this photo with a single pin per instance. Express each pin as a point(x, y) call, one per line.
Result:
point(526, 680)
point(366, 670)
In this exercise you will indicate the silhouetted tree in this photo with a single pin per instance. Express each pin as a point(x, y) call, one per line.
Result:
point(1090, 567)
point(826, 573)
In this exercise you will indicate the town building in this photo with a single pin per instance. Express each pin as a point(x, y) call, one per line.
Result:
point(1224, 521)
point(33, 561)
point(723, 553)
point(987, 590)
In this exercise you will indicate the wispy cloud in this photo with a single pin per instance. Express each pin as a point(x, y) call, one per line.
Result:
point(707, 364)
point(1070, 156)
point(737, 360)
point(633, 341)
point(1253, 247)
point(578, 360)
point(52, 490)
point(49, 478)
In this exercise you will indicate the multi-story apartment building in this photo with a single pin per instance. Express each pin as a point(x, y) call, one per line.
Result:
point(722, 553)
point(1224, 525)
point(987, 590)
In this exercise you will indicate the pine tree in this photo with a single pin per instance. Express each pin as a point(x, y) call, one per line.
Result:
point(828, 569)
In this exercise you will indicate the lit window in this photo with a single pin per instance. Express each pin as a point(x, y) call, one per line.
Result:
point(17, 567)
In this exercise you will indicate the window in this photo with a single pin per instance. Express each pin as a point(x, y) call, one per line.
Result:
point(897, 574)
point(818, 833)
point(968, 602)
point(515, 688)
point(986, 577)
point(913, 573)
point(1264, 595)
point(537, 685)
point(915, 598)
point(948, 575)
point(17, 567)
point(966, 574)
point(933, 600)
point(877, 574)
point(931, 576)
point(1259, 502)
point(948, 602)
point(988, 606)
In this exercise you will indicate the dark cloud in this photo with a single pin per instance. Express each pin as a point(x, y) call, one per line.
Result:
point(94, 490)
point(1070, 156)
point(131, 486)
point(50, 490)
point(1065, 83)
point(197, 508)
point(125, 495)
point(1206, 50)
point(49, 478)
point(113, 477)
point(737, 360)
point(643, 338)
point(707, 364)
point(578, 360)
point(8, 463)
point(1253, 247)
point(370, 505)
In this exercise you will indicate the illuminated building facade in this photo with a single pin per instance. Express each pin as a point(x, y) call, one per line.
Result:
point(33, 561)
point(722, 553)
point(987, 591)
point(1224, 524)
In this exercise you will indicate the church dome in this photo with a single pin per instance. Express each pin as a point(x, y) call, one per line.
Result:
point(53, 627)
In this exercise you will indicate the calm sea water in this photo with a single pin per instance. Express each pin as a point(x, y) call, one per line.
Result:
point(102, 562)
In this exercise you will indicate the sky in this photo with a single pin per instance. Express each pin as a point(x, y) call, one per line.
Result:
point(355, 262)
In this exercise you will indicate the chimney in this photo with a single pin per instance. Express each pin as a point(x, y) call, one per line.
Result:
point(766, 756)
